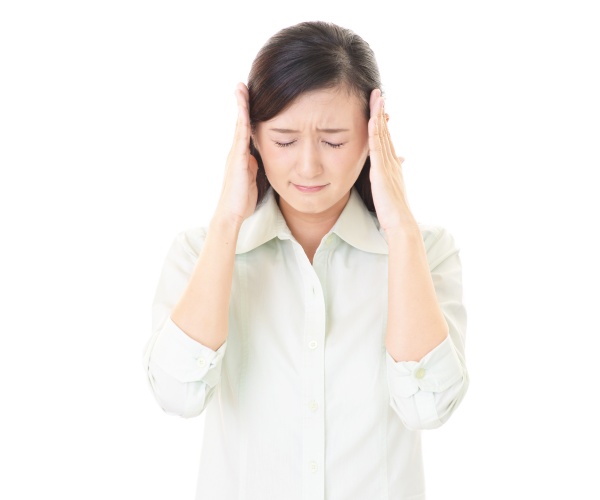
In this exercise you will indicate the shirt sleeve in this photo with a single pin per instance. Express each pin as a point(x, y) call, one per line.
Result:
point(425, 393)
point(182, 372)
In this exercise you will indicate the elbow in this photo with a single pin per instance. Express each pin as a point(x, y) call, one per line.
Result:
point(429, 410)
point(410, 418)
point(185, 400)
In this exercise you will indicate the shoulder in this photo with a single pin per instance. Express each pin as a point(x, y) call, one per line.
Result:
point(433, 232)
point(190, 240)
point(439, 243)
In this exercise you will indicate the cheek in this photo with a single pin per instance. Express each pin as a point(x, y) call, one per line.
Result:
point(276, 162)
point(274, 157)
point(361, 155)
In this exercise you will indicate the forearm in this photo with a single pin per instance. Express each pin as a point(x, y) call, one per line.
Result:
point(203, 309)
point(416, 323)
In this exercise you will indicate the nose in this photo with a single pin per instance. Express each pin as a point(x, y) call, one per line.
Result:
point(308, 163)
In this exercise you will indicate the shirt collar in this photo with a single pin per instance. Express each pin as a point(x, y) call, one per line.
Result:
point(359, 227)
point(263, 225)
point(356, 226)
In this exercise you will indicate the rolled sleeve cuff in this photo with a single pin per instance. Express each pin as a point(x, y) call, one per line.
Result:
point(435, 372)
point(185, 359)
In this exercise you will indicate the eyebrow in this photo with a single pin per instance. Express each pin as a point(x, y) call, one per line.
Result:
point(326, 130)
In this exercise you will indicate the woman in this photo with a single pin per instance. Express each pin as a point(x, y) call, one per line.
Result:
point(319, 325)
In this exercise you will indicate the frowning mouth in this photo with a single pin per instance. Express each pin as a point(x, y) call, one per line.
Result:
point(309, 189)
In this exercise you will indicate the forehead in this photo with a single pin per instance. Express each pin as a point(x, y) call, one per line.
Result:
point(333, 104)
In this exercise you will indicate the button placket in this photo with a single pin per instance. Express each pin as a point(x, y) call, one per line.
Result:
point(314, 385)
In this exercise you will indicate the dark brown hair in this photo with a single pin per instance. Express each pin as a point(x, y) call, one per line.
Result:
point(310, 56)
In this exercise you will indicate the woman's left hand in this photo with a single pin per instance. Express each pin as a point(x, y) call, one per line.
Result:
point(387, 183)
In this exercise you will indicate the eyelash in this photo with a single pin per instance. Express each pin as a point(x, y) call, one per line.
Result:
point(287, 144)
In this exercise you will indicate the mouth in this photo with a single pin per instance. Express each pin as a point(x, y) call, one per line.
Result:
point(309, 189)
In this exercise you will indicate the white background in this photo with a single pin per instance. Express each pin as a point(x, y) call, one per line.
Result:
point(115, 121)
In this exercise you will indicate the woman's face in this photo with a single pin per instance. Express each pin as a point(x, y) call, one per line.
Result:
point(314, 150)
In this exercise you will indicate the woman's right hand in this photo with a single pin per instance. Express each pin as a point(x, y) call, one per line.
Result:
point(239, 192)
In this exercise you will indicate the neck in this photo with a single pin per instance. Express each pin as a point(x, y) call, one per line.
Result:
point(309, 228)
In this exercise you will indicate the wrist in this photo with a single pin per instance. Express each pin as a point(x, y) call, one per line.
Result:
point(225, 225)
point(404, 228)
point(401, 225)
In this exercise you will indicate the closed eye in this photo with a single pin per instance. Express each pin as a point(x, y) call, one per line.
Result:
point(288, 144)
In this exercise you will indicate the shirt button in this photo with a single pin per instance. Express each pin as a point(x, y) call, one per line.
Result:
point(313, 466)
point(420, 373)
point(312, 344)
point(313, 406)
point(201, 361)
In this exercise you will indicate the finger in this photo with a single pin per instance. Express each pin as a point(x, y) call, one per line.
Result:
point(375, 94)
point(382, 133)
point(386, 139)
point(242, 128)
point(374, 128)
